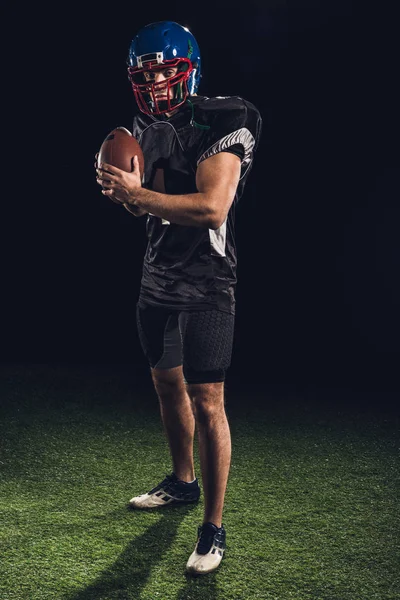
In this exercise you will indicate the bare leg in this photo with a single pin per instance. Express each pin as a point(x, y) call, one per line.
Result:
point(214, 445)
point(178, 419)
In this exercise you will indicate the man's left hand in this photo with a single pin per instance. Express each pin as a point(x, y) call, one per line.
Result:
point(119, 185)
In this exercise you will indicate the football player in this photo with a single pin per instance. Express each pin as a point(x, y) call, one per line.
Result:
point(198, 154)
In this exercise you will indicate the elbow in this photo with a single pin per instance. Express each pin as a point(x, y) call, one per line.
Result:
point(214, 217)
point(214, 221)
point(218, 218)
point(214, 224)
point(218, 211)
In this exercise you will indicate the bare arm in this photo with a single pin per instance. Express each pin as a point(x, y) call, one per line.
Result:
point(135, 210)
point(217, 178)
point(183, 209)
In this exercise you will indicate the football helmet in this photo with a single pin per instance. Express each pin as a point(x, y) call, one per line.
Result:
point(163, 46)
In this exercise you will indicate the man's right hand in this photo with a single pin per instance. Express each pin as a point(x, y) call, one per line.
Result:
point(136, 211)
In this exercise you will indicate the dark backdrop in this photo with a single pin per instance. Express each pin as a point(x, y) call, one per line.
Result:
point(318, 291)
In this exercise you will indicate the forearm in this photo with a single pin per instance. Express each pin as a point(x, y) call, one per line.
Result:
point(183, 209)
point(135, 210)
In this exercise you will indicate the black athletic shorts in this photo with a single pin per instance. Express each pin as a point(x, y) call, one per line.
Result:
point(201, 341)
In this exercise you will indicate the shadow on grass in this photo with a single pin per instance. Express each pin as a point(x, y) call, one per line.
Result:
point(125, 579)
point(199, 588)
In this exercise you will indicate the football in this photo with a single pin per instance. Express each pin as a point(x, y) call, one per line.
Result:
point(119, 148)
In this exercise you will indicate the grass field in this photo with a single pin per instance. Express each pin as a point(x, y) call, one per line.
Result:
point(311, 507)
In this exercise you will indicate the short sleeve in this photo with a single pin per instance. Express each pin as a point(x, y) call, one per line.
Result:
point(235, 123)
point(236, 149)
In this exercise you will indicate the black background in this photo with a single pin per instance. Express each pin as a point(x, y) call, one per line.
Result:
point(318, 292)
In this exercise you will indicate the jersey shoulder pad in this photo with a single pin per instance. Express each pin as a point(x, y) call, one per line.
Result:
point(231, 120)
point(226, 106)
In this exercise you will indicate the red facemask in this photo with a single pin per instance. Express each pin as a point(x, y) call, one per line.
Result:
point(163, 96)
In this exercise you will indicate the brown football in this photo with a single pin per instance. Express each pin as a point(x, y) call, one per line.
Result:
point(119, 148)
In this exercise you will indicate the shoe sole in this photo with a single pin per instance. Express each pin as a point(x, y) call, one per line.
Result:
point(192, 571)
point(173, 503)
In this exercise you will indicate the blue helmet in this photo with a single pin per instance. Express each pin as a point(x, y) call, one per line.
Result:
point(171, 49)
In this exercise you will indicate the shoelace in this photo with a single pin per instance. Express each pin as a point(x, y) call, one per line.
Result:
point(206, 540)
point(168, 479)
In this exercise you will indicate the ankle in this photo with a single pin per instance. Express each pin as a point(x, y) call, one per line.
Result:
point(216, 522)
point(185, 477)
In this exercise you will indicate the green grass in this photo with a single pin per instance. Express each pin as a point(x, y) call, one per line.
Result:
point(311, 508)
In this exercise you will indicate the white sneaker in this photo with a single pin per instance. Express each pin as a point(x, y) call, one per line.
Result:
point(209, 549)
point(170, 491)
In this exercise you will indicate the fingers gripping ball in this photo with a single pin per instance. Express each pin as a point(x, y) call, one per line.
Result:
point(119, 148)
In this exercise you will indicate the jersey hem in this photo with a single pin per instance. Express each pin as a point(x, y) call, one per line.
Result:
point(193, 306)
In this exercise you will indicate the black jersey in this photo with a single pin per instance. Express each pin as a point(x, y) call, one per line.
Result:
point(188, 267)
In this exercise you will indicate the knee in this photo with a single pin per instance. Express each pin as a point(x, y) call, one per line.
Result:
point(207, 399)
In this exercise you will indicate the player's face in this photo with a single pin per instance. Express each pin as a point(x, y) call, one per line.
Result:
point(158, 77)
